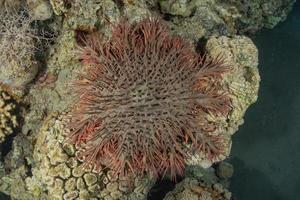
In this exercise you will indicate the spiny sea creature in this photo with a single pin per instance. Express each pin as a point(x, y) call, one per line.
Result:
point(143, 99)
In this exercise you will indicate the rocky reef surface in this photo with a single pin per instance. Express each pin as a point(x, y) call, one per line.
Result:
point(36, 161)
point(196, 19)
point(200, 184)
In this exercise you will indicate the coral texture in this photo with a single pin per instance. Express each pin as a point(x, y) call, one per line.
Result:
point(40, 9)
point(143, 99)
point(196, 19)
point(17, 48)
point(8, 114)
point(192, 189)
point(58, 174)
point(10, 4)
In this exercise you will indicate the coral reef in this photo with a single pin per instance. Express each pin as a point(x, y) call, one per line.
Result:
point(200, 184)
point(194, 190)
point(39, 9)
point(14, 185)
point(9, 119)
point(86, 15)
point(17, 46)
point(10, 4)
point(61, 64)
point(190, 18)
point(258, 14)
point(242, 83)
point(56, 170)
point(60, 175)
point(16, 168)
point(195, 19)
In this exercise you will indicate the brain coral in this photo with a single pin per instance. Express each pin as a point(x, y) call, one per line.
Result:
point(141, 103)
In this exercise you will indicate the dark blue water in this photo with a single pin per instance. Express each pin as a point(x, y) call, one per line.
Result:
point(266, 149)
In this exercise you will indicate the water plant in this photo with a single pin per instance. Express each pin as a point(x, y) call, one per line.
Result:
point(18, 38)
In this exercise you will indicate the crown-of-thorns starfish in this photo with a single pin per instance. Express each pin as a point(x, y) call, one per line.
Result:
point(143, 100)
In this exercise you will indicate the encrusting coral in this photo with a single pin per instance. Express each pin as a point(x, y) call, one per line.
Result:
point(142, 102)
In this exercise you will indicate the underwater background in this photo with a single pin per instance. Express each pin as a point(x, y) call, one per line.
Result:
point(36, 162)
point(265, 151)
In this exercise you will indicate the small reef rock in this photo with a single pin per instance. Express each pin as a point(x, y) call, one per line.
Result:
point(200, 184)
point(39, 163)
point(224, 170)
point(195, 190)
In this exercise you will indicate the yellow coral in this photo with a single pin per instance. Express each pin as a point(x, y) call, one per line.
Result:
point(8, 119)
